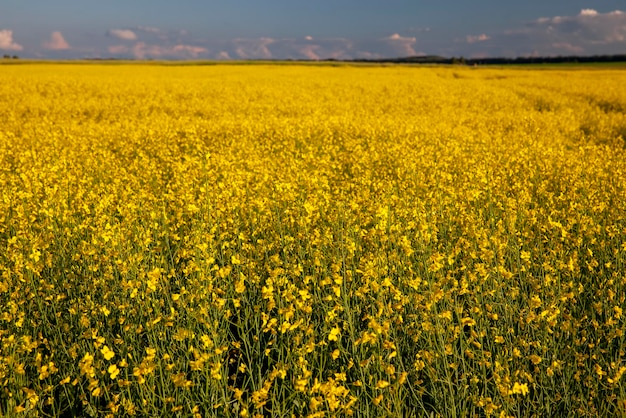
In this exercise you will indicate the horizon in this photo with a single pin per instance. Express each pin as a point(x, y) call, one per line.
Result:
point(281, 30)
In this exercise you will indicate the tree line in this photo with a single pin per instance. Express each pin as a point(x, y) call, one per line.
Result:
point(435, 59)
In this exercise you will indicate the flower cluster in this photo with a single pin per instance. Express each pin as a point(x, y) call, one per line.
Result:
point(312, 241)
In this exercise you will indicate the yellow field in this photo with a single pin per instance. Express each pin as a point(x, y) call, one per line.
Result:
point(312, 241)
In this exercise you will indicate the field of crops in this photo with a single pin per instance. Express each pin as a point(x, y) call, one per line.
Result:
point(312, 241)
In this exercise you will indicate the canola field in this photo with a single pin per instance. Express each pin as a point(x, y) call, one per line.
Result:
point(312, 241)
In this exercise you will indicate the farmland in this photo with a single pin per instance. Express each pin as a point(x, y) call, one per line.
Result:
point(312, 241)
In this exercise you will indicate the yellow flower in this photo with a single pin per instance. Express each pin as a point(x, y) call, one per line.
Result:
point(334, 335)
point(113, 371)
point(519, 388)
point(402, 378)
point(301, 384)
point(107, 353)
point(525, 255)
point(468, 321)
point(31, 395)
point(240, 285)
point(381, 384)
point(446, 315)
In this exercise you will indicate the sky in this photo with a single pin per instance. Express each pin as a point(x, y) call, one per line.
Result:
point(321, 29)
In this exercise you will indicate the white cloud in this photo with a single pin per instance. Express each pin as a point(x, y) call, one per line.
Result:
point(123, 34)
point(401, 46)
point(395, 37)
point(142, 50)
point(155, 43)
point(7, 43)
point(148, 29)
point(56, 42)
point(589, 32)
point(151, 42)
point(151, 34)
point(310, 51)
point(253, 48)
point(118, 49)
point(588, 12)
point(188, 50)
point(222, 55)
point(477, 38)
point(311, 48)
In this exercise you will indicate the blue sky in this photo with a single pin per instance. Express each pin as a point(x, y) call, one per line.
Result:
point(280, 29)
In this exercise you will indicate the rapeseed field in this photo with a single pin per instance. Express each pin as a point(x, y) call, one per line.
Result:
point(312, 241)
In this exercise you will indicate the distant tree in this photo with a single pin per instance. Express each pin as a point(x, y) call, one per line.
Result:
point(15, 57)
point(458, 61)
point(6, 56)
